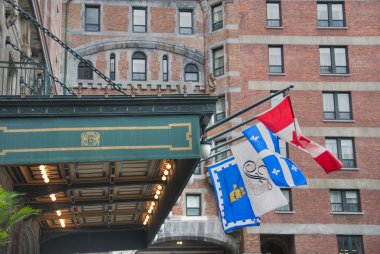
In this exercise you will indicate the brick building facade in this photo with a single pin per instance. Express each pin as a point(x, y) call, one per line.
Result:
point(329, 51)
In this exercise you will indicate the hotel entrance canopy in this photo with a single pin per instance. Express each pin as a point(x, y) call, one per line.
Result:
point(105, 171)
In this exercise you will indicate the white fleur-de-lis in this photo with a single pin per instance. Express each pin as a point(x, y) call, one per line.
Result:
point(255, 138)
point(275, 171)
point(294, 168)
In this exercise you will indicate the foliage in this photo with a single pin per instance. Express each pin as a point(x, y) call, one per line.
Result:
point(11, 214)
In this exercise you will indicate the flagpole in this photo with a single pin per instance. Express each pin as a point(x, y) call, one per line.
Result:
point(246, 109)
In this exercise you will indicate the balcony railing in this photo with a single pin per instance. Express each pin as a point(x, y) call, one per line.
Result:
point(21, 78)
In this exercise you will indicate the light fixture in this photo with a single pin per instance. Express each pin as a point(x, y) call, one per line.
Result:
point(158, 192)
point(46, 180)
point(149, 211)
point(179, 242)
point(53, 197)
point(156, 196)
point(205, 149)
point(147, 217)
point(42, 167)
point(153, 203)
point(166, 172)
point(145, 223)
point(163, 178)
point(168, 165)
point(159, 187)
point(62, 221)
point(59, 212)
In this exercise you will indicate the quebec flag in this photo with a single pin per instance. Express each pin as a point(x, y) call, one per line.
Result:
point(231, 194)
point(283, 172)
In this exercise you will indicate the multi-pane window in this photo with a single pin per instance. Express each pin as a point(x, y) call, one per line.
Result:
point(165, 68)
point(333, 60)
point(288, 195)
point(220, 109)
point(84, 72)
point(330, 14)
point(191, 73)
point(273, 13)
point(197, 170)
point(336, 106)
point(343, 148)
point(92, 18)
point(217, 17)
point(276, 63)
point(344, 201)
point(139, 20)
point(185, 21)
point(112, 67)
point(193, 205)
point(223, 155)
point(138, 66)
point(218, 61)
point(350, 244)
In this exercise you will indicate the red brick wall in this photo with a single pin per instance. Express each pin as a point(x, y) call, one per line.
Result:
point(163, 20)
point(115, 17)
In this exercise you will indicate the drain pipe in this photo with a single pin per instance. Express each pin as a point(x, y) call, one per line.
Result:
point(66, 41)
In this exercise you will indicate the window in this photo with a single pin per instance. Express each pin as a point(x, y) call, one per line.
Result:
point(185, 21)
point(275, 59)
point(333, 60)
point(344, 201)
point(139, 20)
point(165, 68)
point(221, 156)
point(337, 106)
point(112, 66)
point(217, 17)
point(330, 14)
point(92, 18)
point(84, 72)
point(218, 61)
point(197, 170)
point(350, 244)
point(138, 66)
point(343, 148)
point(288, 195)
point(274, 13)
point(220, 109)
point(193, 205)
point(191, 73)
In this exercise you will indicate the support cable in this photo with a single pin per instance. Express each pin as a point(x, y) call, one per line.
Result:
point(67, 48)
point(31, 60)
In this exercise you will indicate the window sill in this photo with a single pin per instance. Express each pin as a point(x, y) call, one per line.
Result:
point(347, 213)
point(276, 74)
point(274, 27)
point(339, 121)
point(333, 27)
point(350, 169)
point(285, 212)
point(336, 75)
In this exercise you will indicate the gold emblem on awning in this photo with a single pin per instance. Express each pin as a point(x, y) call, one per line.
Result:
point(90, 138)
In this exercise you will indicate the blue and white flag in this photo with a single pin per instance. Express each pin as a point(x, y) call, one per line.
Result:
point(283, 172)
point(231, 194)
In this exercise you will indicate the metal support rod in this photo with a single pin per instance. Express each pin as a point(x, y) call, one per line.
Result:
point(227, 142)
point(215, 154)
point(67, 48)
point(246, 109)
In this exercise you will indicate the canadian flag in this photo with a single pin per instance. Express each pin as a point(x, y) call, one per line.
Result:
point(280, 120)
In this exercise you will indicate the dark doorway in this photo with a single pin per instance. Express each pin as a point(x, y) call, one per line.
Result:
point(277, 244)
